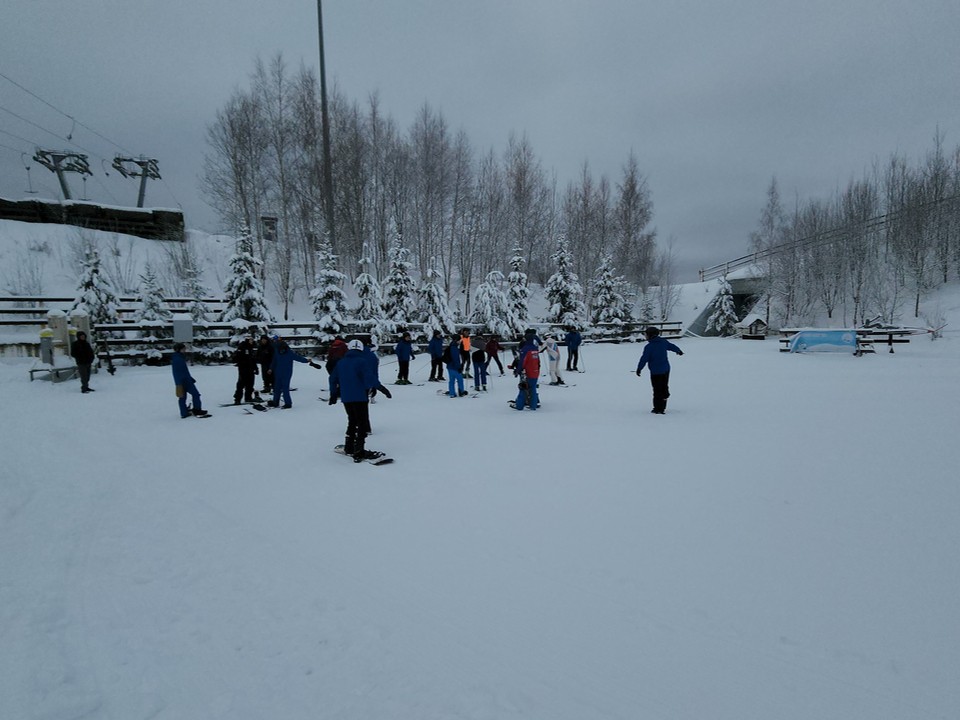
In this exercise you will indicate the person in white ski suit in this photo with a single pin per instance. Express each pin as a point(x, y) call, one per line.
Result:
point(553, 359)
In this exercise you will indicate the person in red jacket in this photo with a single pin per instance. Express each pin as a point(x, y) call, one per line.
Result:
point(527, 368)
point(493, 349)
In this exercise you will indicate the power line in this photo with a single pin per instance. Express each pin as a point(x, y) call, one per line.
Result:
point(65, 114)
point(51, 132)
point(7, 147)
point(17, 137)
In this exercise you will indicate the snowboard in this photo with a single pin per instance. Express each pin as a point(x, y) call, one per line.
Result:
point(382, 459)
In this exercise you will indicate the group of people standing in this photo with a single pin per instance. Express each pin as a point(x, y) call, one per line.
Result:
point(354, 372)
point(270, 357)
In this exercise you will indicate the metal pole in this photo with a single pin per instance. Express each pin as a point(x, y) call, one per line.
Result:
point(143, 187)
point(63, 181)
point(325, 117)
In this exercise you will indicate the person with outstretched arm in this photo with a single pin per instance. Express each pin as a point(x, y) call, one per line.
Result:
point(654, 357)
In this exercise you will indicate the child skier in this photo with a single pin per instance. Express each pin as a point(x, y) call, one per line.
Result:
point(404, 351)
point(655, 357)
point(185, 383)
point(553, 359)
point(282, 371)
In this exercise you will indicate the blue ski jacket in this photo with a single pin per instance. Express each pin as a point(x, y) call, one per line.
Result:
point(435, 346)
point(373, 361)
point(404, 351)
point(573, 340)
point(655, 356)
point(181, 373)
point(282, 366)
point(353, 377)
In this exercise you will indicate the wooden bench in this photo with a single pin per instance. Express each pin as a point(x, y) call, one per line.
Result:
point(57, 374)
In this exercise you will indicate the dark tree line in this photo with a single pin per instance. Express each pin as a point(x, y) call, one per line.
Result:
point(872, 250)
point(461, 211)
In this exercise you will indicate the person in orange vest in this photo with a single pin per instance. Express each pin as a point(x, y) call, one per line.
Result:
point(465, 353)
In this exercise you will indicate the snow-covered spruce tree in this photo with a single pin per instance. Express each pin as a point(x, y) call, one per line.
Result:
point(95, 294)
point(723, 320)
point(563, 290)
point(369, 310)
point(328, 299)
point(492, 308)
point(246, 306)
point(400, 290)
point(609, 305)
point(434, 311)
point(153, 315)
point(518, 293)
point(647, 306)
point(196, 291)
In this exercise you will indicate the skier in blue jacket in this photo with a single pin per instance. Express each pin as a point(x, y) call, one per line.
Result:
point(435, 348)
point(404, 352)
point(185, 383)
point(353, 379)
point(573, 341)
point(654, 357)
point(455, 377)
point(282, 372)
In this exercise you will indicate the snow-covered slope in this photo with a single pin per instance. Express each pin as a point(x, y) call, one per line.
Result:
point(781, 544)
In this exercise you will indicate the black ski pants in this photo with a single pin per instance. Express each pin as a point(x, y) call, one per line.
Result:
point(573, 357)
point(661, 391)
point(436, 368)
point(245, 381)
point(358, 423)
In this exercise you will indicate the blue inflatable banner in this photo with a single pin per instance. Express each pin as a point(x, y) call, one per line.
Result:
point(824, 341)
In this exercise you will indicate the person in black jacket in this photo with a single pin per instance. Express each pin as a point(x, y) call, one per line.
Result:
point(245, 358)
point(83, 354)
point(264, 359)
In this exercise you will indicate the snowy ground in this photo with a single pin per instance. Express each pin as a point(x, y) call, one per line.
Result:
point(782, 544)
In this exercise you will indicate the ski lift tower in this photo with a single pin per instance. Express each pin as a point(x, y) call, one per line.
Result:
point(149, 170)
point(63, 162)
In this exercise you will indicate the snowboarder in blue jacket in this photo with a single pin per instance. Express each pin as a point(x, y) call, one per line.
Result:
point(282, 371)
point(654, 357)
point(353, 379)
point(185, 383)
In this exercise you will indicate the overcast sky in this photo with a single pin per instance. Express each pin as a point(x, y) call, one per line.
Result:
point(714, 98)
